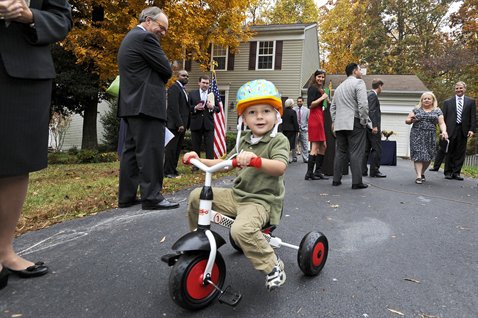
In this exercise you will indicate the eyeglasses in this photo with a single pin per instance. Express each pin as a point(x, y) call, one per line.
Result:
point(161, 27)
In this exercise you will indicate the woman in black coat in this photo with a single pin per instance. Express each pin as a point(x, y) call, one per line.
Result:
point(290, 126)
point(27, 28)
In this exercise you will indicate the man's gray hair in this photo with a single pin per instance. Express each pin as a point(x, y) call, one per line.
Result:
point(461, 83)
point(152, 12)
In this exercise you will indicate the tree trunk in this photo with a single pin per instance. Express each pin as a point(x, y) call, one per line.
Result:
point(90, 136)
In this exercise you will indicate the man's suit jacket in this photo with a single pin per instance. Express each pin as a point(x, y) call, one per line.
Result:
point(178, 108)
point(26, 51)
point(468, 115)
point(304, 117)
point(200, 119)
point(144, 70)
point(374, 109)
point(349, 102)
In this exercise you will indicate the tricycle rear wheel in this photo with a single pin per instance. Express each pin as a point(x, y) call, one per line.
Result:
point(313, 251)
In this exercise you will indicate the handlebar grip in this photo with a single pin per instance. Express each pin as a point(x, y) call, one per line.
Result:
point(188, 162)
point(255, 162)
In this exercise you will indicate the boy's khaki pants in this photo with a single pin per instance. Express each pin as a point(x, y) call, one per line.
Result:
point(246, 230)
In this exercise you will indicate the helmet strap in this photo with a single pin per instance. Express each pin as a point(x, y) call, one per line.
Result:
point(276, 126)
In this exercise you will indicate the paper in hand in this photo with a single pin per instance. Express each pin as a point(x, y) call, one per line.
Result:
point(211, 99)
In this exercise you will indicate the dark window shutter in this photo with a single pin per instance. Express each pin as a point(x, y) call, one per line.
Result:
point(252, 55)
point(230, 60)
point(278, 59)
point(188, 65)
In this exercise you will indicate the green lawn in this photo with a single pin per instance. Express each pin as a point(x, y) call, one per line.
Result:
point(64, 192)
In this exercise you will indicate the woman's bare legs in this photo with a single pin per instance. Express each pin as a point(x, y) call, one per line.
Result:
point(13, 191)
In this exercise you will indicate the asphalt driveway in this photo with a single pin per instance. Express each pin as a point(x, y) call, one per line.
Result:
point(396, 247)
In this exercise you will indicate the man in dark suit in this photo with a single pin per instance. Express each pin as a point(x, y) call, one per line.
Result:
point(373, 145)
point(27, 28)
point(202, 119)
point(144, 70)
point(459, 112)
point(178, 122)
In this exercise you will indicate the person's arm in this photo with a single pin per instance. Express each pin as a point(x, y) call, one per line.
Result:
point(271, 167)
point(410, 118)
point(294, 120)
point(373, 111)
point(194, 155)
point(173, 111)
point(362, 101)
point(155, 57)
point(472, 130)
point(441, 123)
point(44, 26)
point(315, 98)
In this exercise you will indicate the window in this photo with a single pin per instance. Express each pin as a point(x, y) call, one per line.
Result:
point(265, 55)
point(219, 55)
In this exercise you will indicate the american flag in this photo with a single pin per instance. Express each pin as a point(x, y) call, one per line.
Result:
point(219, 122)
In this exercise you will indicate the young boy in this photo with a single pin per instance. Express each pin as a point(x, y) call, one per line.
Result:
point(258, 193)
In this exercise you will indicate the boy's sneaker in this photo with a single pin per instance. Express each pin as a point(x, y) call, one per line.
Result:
point(276, 277)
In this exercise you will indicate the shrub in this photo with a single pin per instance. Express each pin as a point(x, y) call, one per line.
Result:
point(110, 123)
point(108, 157)
point(88, 156)
point(61, 158)
point(73, 150)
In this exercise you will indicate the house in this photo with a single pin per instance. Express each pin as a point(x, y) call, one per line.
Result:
point(400, 94)
point(284, 54)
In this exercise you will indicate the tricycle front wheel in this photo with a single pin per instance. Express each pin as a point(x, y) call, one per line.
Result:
point(186, 285)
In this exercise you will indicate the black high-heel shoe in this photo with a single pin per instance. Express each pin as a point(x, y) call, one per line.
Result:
point(4, 277)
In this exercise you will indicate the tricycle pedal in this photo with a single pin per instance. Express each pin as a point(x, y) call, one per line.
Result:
point(230, 297)
point(170, 259)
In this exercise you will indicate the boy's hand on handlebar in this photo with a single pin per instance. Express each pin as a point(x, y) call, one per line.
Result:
point(188, 156)
point(244, 158)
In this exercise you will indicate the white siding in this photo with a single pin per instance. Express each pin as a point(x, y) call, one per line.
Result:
point(74, 134)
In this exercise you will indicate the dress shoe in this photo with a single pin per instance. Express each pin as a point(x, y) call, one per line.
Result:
point(458, 177)
point(320, 175)
point(359, 186)
point(171, 176)
point(378, 175)
point(433, 169)
point(37, 269)
point(364, 174)
point(161, 205)
point(448, 176)
point(4, 277)
point(128, 204)
point(336, 183)
point(311, 176)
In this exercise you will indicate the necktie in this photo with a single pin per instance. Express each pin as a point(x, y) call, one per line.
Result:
point(459, 110)
point(185, 93)
point(300, 121)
